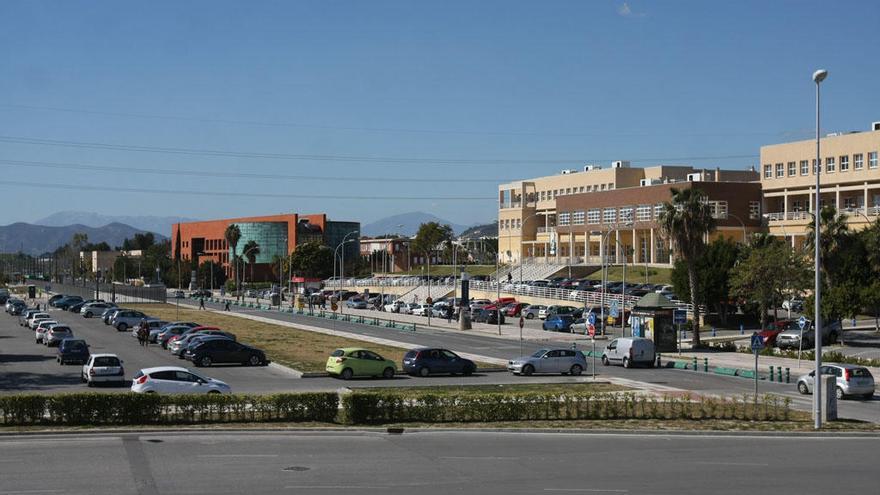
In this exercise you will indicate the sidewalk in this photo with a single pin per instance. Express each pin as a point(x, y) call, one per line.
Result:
point(747, 361)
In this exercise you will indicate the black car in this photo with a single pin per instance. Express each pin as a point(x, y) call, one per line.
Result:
point(489, 316)
point(216, 351)
point(54, 298)
point(74, 308)
point(17, 307)
point(72, 351)
point(430, 361)
point(66, 302)
point(197, 294)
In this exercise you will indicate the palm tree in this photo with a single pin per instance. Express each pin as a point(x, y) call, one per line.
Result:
point(232, 235)
point(833, 235)
point(686, 221)
point(251, 250)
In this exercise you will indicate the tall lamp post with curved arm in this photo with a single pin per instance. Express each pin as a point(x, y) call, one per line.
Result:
point(818, 77)
point(340, 266)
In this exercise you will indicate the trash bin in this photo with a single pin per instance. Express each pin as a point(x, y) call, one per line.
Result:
point(276, 299)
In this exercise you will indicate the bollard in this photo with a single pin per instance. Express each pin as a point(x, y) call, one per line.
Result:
point(741, 329)
point(787, 375)
point(713, 331)
point(659, 362)
point(694, 363)
point(705, 365)
point(771, 373)
point(779, 374)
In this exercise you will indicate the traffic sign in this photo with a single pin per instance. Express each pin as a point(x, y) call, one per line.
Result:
point(591, 329)
point(802, 322)
point(591, 318)
point(522, 322)
point(757, 342)
point(679, 316)
point(614, 309)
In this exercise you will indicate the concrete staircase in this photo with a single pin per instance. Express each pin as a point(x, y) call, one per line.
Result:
point(421, 292)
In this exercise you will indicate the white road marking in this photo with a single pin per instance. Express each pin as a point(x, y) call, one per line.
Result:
point(491, 458)
point(586, 490)
point(733, 463)
point(237, 455)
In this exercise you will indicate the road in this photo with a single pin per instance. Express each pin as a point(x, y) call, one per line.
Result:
point(435, 462)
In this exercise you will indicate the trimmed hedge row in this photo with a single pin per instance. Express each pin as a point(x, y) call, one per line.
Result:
point(391, 407)
point(138, 409)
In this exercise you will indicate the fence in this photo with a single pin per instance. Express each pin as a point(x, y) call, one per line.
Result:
point(119, 293)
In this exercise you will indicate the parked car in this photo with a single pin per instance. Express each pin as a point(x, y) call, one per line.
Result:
point(395, 307)
point(66, 302)
point(153, 324)
point(107, 315)
point(558, 310)
point(16, 308)
point(177, 344)
point(796, 305)
point(478, 304)
point(101, 368)
point(175, 380)
point(422, 310)
point(36, 318)
point(200, 293)
point(791, 337)
point(531, 311)
point(125, 319)
point(25, 316)
point(74, 308)
point(54, 298)
point(851, 380)
point(354, 303)
point(514, 309)
point(426, 361)
point(179, 294)
point(72, 351)
point(95, 309)
point(223, 350)
point(41, 330)
point(155, 332)
point(558, 323)
point(565, 361)
point(488, 315)
point(353, 361)
point(163, 335)
point(55, 334)
point(630, 351)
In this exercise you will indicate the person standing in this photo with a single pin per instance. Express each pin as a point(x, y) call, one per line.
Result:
point(226, 305)
point(202, 303)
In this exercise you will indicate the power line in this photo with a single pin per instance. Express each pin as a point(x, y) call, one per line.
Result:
point(116, 189)
point(337, 158)
point(381, 129)
point(218, 174)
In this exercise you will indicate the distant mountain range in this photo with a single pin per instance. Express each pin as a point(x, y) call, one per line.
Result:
point(158, 225)
point(39, 239)
point(406, 224)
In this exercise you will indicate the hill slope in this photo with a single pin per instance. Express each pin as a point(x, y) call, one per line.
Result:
point(39, 239)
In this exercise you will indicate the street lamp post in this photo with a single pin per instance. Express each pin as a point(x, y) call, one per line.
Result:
point(342, 260)
point(818, 77)
point(741, 223)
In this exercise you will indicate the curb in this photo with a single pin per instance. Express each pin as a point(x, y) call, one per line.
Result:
point(284, 369)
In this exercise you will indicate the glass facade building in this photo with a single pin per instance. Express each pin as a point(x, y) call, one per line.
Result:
point(336, 231)
point(270, 236)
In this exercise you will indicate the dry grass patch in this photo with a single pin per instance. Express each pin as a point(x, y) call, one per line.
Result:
point(293, 347)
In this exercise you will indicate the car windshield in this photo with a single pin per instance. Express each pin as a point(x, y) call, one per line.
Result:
point(106, 361)
point(539, 353)
point(338, 353)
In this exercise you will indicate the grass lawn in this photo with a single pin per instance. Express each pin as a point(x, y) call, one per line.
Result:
point(446, 270)
point(299, 349)
point(636, 274)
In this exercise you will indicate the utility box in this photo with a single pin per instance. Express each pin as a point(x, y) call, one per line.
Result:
point(32, 292)
point(829, 397)
point(276, 299)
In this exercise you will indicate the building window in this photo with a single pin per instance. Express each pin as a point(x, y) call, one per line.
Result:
point(578, 218)
point(564, 218)
point(872, 159)
point(858, 161)
point(844, 163)
point(815, 167)
point(518, 223)
point(792, 169)
point(658, 209)
point(754, 210)
point(610, 186)
point(718, 208)
point(851, 202)
point(805, 167)
point(643, 213)
point(797, 205)
point(603, 187)
point(780, 170)
point(768, 172)
point(582, 188)
point(829, 165)
point(626, 214)
point(593, 216)
point(609, 215)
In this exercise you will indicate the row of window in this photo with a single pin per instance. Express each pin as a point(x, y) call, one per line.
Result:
point(553, 193)
point(831, 165)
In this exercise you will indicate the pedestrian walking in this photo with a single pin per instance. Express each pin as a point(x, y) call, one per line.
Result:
point(509, 277)
point(449, 311)
point(226, 305)
point(38, 306)
point(142, 333)
point(201, 303)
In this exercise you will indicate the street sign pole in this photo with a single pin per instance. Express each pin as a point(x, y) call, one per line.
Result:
point(756, 376)
point(802, 322)
point(678, 329)
point(757, 344)
point(522, 323)
point(593, 338)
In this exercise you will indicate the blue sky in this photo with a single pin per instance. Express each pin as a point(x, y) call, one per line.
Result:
point(470, 93)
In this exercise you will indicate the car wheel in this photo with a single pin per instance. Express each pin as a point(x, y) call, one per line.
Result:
point(530, 316)
point(528, 370)
point(388, 373)
point(205, 361)
point(626, 363)
point(88, 314)
point(424, 371)
point(213, 392)
point(576, 370)
point(82, 378)
point(346, 374)
point(839, 393)
point(122, 327)
point(802, 388)
point(869, 395)
point(89, 383)
point(255, 360)
point(468, 371)
point(605, 361)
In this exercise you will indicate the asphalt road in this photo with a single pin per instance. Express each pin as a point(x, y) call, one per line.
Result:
point(437, 462)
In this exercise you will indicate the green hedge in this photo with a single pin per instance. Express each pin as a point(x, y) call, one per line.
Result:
point(391, 407)
point(138, 409)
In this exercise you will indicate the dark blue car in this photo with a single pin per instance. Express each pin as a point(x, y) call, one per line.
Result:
point(558, 323)
point(431, 361)
point(72, 351)
point(66, 302)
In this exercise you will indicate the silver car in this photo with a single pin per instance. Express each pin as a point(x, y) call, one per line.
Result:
point(126, 319)
point(531, 311)
point(851, 380)
point(565, 361)
point(56, 334)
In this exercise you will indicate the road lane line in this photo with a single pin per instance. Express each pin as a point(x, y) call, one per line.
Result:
point(236, 455)
point(586, 490)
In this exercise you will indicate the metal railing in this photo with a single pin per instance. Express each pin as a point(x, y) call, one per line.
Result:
point(112, 292)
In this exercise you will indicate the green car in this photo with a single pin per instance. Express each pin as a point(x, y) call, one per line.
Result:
point(354, 361)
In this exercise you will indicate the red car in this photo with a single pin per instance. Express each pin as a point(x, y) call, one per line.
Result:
point(515, 309)
point(774, 328)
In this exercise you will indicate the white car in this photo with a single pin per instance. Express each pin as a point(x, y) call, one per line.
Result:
point(423, 310)
point(175, 380)
point(35, 318)
point(42, 328)
point(56, 334)
point(103, 368)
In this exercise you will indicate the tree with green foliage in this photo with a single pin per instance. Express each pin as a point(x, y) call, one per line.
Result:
point(250, 251)
point(205, 274)
point(139, 242)
point(686, 220)
point(232, 234)
point(312, 260)
point(713, 276)
point(430, 237)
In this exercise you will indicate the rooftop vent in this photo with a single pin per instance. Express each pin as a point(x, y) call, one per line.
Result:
point(875, 126)
point(620, 164)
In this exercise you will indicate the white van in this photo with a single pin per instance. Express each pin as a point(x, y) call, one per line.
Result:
point(629, 351)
